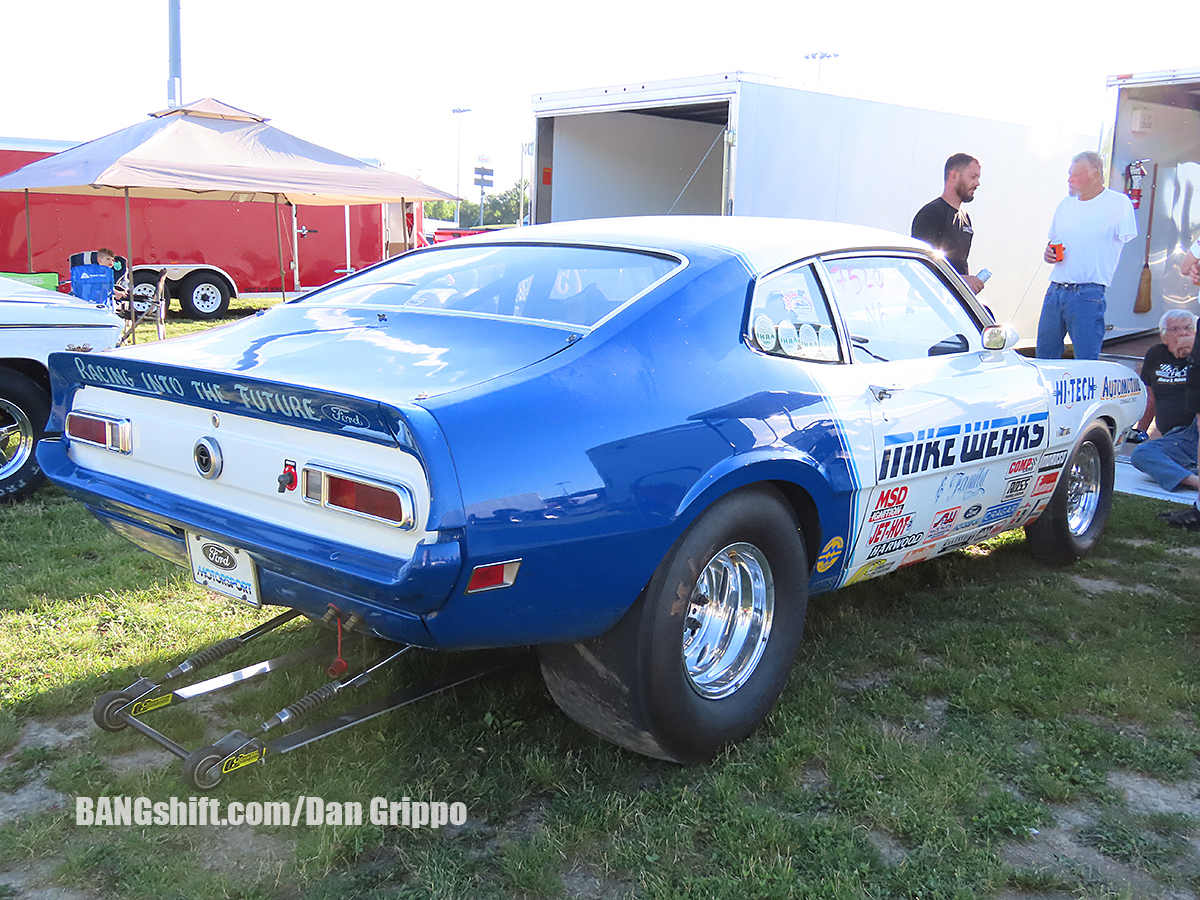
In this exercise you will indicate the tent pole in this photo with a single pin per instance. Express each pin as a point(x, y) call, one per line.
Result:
point(279, 243)
point(129, 269)
point(28, 232)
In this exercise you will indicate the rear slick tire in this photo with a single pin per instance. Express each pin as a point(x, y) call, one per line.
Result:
point(699, 660)
point(1074, 520)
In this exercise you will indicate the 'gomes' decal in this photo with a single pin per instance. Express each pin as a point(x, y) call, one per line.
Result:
point(906, 453)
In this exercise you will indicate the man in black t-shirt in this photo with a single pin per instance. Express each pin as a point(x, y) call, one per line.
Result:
point(1170, 459)
point(943, 223)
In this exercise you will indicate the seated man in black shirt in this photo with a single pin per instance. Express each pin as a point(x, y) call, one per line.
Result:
point(1170, 459)
point(943, 223)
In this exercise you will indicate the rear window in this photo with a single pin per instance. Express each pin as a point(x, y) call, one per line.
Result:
point(570, 285)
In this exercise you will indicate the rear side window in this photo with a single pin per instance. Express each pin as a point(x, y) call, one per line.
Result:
point(569, 285)
point(789, 317)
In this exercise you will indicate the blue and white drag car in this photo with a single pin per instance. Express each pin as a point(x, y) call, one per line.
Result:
point(638, 444)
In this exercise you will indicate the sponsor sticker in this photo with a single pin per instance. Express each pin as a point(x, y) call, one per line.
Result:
point(886, 547)
point(789, 342)
point(891, 528)
point(889, 503)
point(1017, 487)
point(870, 570)
point(999, 511)
point(1020, 466)
point(1053, 460)
point(1045, 483)
point(830, 554)
point(1068, 391)
point(915, 556)
point(943, 523)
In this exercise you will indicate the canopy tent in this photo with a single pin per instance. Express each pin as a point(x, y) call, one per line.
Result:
point(210, 150)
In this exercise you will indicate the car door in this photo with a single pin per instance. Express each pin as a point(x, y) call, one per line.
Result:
point(957, 430)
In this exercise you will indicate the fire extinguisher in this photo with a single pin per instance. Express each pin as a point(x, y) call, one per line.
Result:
point(1134, 173)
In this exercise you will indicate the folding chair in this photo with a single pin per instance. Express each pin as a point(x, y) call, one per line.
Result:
point(156, 308)
point(93, 282)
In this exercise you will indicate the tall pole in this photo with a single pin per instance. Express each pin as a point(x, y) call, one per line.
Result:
point(174, 55)
point(820, 56)
point(458, 166)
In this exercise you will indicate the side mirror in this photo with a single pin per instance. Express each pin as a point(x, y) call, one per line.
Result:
point(1000, 337)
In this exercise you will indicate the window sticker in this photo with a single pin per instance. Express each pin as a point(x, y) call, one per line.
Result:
point(808, 341)
point(799, 304)
point(827, 342)
point(789, 341)
point(764, 332)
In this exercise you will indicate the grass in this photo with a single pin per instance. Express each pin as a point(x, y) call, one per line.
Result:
point(936, 717)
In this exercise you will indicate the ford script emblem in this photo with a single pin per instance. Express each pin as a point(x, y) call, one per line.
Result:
point(344, 416)
point(973, 511)
point(219, 556)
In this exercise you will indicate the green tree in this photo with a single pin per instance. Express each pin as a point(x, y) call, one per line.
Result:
point(503, 208)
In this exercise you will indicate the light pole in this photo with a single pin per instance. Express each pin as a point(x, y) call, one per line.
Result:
point(820, 56)
point(458, 165)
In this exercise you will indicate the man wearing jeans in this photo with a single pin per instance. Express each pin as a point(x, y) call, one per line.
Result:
point(1089, 228)
point(1170, 458)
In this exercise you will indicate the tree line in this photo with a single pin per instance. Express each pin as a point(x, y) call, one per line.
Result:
point(503, 208)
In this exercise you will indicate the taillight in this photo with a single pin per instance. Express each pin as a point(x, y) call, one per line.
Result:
point(495, 575)
point(376, 500)
point(102, 431)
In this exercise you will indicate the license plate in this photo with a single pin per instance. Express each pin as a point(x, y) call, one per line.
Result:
point(223, 568)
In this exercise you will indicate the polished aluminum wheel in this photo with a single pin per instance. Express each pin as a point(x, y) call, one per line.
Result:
point(1083, 488)
point(16, 438)
point(728, 620)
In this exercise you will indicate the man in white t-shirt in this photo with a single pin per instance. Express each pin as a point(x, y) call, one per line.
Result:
point(1089, 228)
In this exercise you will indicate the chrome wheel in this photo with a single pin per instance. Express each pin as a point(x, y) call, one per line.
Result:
point(728, 621)
point(16, 438)
point(1083, 489)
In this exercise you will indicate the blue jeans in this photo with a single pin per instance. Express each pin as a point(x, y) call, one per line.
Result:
point(1170, 458)
point(1074, 309)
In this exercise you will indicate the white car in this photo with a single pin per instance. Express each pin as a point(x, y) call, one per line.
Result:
point(33, 324)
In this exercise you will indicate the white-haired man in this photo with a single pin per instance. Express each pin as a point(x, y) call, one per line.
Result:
point(1088, 230)
point(1170, 456)
point(1189, 517)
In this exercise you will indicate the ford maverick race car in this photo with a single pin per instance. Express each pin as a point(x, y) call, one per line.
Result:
point(638, 444)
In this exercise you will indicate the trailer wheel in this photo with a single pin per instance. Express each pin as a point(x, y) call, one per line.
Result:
point(204, 295)
point(196, 766)
point(24, 409)
point(142, 296)
point(104, 710)
point(700, 659)
point(1074, 520)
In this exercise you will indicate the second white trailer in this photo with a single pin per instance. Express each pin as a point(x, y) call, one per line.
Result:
point(741, 144)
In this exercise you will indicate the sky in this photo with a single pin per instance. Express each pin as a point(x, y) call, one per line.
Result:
point(378, 79)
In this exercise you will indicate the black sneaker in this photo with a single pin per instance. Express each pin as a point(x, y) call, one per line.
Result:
point(1188, 518)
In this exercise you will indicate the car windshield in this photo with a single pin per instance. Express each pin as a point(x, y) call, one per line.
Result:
point(570, 285)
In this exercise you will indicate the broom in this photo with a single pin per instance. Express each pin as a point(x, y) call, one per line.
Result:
point(1144, 304)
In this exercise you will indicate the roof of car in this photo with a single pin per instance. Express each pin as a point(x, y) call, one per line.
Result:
point(765, 244)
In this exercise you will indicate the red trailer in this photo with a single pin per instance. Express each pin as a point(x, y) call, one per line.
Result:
point(213, 249)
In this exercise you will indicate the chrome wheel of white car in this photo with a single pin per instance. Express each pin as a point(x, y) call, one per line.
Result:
point(680, 680)
point(24, 408)
point(1084, 483)
point(728, 621)
point(1074, 520)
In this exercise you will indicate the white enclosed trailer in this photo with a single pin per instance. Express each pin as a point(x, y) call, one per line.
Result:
point(742, 144)
point(1155, 118)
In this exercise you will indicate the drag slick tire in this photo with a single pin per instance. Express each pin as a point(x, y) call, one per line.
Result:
point(105, 708)
point(204, 296)
point(1074, 520)
point(24, 409)
point(699, 660)
point(196, 766)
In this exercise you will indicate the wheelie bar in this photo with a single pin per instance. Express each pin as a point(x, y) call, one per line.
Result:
point(205, 767)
